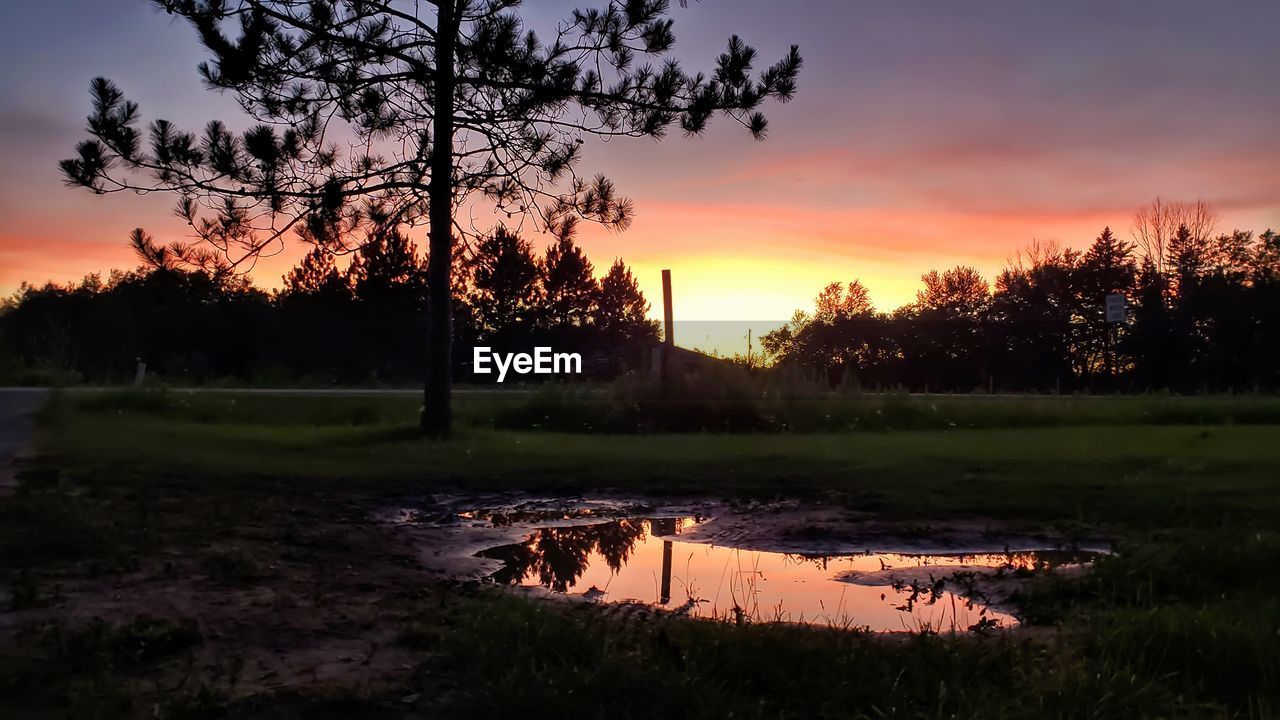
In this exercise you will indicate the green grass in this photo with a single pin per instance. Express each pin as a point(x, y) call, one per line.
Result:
point(1065, 473)
point(1183, 621)
point(730, 402)
point(512, 656)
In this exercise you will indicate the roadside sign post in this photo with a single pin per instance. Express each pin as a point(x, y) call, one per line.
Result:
point(1117, 308)
point(1117, 311)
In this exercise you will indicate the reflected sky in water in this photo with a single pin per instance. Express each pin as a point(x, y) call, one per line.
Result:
point(644, 561)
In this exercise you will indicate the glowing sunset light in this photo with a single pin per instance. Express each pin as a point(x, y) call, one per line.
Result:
point(924, 136)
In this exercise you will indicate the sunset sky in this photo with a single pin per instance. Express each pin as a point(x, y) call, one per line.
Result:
point(924, 135)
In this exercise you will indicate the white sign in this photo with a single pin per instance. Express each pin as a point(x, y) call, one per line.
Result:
point(542, 362)
point(1117, 308)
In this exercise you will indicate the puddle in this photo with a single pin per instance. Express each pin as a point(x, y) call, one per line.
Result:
point(583, 552)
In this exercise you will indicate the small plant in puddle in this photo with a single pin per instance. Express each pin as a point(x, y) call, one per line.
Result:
point(916, 590)
point(969, 586)
point(984, 625)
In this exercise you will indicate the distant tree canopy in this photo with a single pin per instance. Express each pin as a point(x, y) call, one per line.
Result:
point(1209, 322)
point(377, 114)
point(326, 324)
point(1204, 315)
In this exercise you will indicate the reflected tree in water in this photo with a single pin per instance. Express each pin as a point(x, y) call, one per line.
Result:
point(558, 557)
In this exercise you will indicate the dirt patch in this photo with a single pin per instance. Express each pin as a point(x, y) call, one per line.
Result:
point(317, 614)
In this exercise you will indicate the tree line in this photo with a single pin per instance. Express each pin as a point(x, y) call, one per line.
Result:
point(357, 320)
point(1203, 315)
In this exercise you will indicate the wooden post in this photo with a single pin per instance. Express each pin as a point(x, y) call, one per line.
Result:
point(665, 592)
point(667, 351)
point(668, 328)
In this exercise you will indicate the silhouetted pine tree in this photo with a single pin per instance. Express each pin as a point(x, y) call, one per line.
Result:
point(316, 276)
point(1264, 279)
point(387, 271)
point(621, 312)
point(505, 294)
point(569, 286)
point(439, 103)
point(1108, 267)
point(1149, 341)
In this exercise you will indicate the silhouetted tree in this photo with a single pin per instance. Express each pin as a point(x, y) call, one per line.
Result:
point(943, 342)
point(960, 292)
point(505, 290)
point(1029, 333)
point(1149, 340)
point(1155, 226)
point(836, 303)
point(570, 290)
point(1108, 268)
point(387, 270)
point(316, 275)
point(441, 103)
point(1264, 279)
point(843, 340)
point(621, 311)
point(558, 557)
point(1264, 265)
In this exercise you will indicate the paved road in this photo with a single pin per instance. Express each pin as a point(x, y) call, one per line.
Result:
point(16, 408)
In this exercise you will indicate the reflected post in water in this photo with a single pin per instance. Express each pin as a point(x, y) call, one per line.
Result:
point(665, 527)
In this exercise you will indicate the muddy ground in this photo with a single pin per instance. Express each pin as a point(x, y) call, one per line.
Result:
point(316, 600)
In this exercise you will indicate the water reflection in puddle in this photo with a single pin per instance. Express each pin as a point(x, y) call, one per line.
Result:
point(644, 561)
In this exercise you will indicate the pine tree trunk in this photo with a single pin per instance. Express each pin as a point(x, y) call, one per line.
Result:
point(437, 409)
